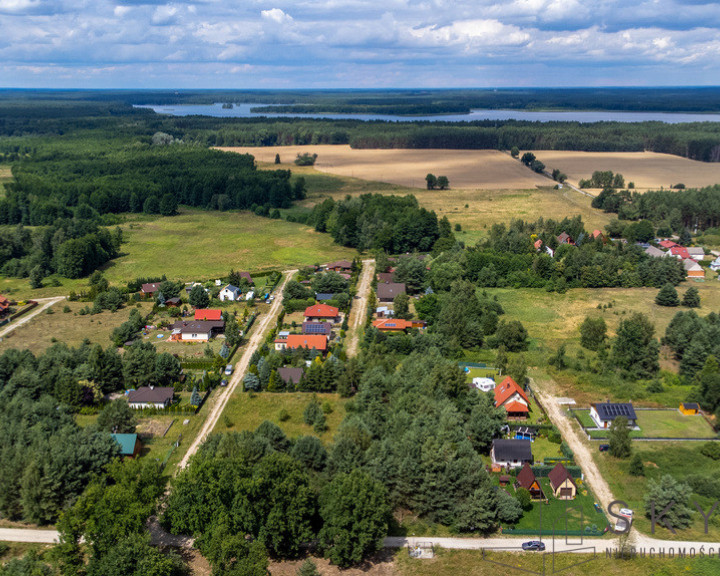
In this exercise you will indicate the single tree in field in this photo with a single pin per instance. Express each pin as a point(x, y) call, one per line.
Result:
point(691, 299)
point(514, 152)
point(667, 296)
point(517, 369)
point(431, 181)
point(443, 182)
point(528, 158)
point(198, 297)
point(619, 438)
point(635, 351)
point(673, 495)
point(277, 158)
point(593, 332)
point(637, 468)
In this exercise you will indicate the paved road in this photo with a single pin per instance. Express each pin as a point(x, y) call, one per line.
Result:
point(45, 303)
point(358, 313)
point(258, 336)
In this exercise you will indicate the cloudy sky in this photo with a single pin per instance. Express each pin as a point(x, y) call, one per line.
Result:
point(358, 43)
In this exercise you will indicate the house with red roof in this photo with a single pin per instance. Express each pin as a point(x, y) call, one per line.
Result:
point(309, 341)
point(208, 314)
point(4, 306)
point(595, 234)
point(322, 313)
point(680, 252)
point(538, 244)
point(667, 244)
point(396, 324)
point(565, 238)
point(513, 398)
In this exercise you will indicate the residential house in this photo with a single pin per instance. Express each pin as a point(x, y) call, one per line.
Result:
point(291, 375)
point(538, 244)
point(189, 287)
point(603, 413)
point(697, 253)
point(130, 445)
point(526, 479)
point(173, 302)
point(667, 244)
point(230, 293)
point(511, 453)
point(4, 306)
point(149, 289)
point(196, 331)
point(484, 384)
point(385, 277)
point(689, 408)
point(680, 252)
point(693, 269)
point(321, 313)
point(150, 397)
point(386, 292)
point(565, 238)
point(208, 314)
point(339, 266)
point(513, 398)
point(595, 234)
point(392, 324)
point(655, 252)
point(715, 264)
point(309, 341)
point(324, 328)
point(562, 484)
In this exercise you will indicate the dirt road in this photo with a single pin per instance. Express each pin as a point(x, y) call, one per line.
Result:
point(258, 335)
point(44, 304)
point(359, 307)
point(580, 448)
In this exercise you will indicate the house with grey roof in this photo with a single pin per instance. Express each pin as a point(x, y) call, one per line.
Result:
point(150, 397)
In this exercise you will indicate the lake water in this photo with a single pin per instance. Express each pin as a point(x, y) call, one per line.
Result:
point(243, 111)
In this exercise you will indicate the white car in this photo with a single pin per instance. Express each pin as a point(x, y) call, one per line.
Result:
point(228, 369)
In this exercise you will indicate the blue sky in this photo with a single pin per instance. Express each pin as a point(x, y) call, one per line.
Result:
point(358, 43)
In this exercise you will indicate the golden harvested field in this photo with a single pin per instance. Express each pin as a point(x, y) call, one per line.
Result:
point(466, 169)
point(648, 170)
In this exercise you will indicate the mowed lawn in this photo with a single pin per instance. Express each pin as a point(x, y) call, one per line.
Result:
point(672, 424)
point(246, 412)
point(40, 332)
point(197, 245)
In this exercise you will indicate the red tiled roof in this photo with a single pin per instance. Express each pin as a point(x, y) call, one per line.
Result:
point(538, 243)
point(507, 388)
point(680, 251)
point(208, 314)
point(150, 287)
point(321, 311)
point(4, 303)
point(668, 244)
point(392, 324)
point(309, 341)
point(596, 233)
point(516, 406)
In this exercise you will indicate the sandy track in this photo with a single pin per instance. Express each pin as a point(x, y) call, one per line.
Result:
point(359, 308)
point(45, 303)
point(466, 169)
point(256, 340)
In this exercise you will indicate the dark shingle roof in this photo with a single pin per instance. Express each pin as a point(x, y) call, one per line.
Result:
point(508, 450)
point(558, 475)
point(608, 411)
point(390, 290)
point(526, 477)
point(290, 374)
point(148, 395)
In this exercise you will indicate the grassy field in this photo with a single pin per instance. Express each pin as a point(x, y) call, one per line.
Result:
point(658, 424)
point(247, 412)
point(646, 169)
point(661, 458)
point(199, 245)
point(71, 328)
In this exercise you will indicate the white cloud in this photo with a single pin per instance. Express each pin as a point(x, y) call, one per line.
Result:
point(276, 15)
point(165, 15)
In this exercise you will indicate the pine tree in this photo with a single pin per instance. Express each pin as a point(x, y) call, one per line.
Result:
point(667, 296)
point(637, 468)
point(691, 299)
point(224, 350)
point(277, 158)
point(308, 568)
point(685, 238)
point(195, 398)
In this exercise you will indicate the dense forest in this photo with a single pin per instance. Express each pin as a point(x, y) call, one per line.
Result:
point(373, 221)
point(695, 209)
